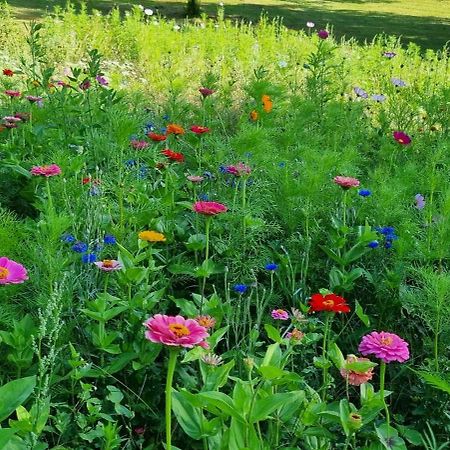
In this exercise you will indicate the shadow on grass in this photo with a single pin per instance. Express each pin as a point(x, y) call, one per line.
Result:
point(428, 32)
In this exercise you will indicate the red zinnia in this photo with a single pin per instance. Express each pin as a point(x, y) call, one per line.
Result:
point(8, 72)
point(198, 129)
point(157, 137)
point(206, 92)
point(401, 137)
point(329, 302)
point(174, 156)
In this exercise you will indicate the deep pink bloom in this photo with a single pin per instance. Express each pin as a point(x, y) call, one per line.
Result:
point(401, 137)
point(280, 314)
point(209, 208)
point(108, 265)
point(198, 129)
point(206, 92)
point(11, 272)
point(85, 85)
point(34, 99)
point(385, 346)
point(323, 34)
point(101, 80)
point(175, 331)
point(346, 182)
point(11, 93)
point(239, 169)
point(46, 171)
point(195, 178)
point(139, 145)
point(354, 377)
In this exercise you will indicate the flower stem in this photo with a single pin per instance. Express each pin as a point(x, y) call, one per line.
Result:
point(207, 228)
point(173, 354)
point(49, 197)
point(382, 380)
point(324, 354)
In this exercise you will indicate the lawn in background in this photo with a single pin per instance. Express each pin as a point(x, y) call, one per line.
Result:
point(425, 22)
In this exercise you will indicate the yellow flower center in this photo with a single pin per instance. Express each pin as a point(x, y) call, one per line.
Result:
point(400, 140)
point(108, 263)
point(4, 272)
point(280, 311)
point(179, 330)
point(386, 341)
point(328, 302)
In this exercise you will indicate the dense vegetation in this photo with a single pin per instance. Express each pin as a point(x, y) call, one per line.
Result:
point(328, 169)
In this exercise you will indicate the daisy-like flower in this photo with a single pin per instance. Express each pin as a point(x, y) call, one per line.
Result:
point(206, 321)
point(175, 129)
point(212, 360)
point(267, 103)
point(138, 145)
point(11, 93)
point(328, 302)
point(195, 178)
point(175, 331)
point(354, 377)
point(310, 24)
point(46, 171)
point(346, 182)
point(151, 236)
point(8, 72)
point(360, 92)
point(198, 129)
point(108, 265)
point(157, 137)
point(239, 169)
point(173, 156)
point(401, 137)
point(295, 335)
point(397, 82)
point(11, 272)
point(280, 314)
point(209, 208)
point(380, 98)
point(388, 347)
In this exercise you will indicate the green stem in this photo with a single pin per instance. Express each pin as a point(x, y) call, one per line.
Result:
point(324, 355)
point(173, 353)
point(344, 204)
point(382, 381)
point(49, 197)
point(207, 228)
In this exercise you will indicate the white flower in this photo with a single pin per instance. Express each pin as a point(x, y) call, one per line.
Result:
point(177, 27)
point(141, 7)
point(282, 64)
point(148, 12)
point(310, 24)
point(221, 4)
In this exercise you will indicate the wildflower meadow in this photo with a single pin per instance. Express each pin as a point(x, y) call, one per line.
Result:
point(221, 236)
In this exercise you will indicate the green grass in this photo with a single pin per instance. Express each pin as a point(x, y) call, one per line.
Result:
point(424, 22)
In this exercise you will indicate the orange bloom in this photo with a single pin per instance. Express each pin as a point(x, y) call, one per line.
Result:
point(254, 116)
point(151, 236)
point(173, 128)
point(267, 103)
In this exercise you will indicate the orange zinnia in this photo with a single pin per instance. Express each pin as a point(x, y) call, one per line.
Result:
point(173, 128)
point(151, 236)
point(267, 103)
point(254, 115)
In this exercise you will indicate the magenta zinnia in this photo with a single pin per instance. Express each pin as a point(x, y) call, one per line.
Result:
point(209, 208)
point(46, 171)
point(401, 137)
point(11, 272)
point(388, 347)
point(175, 331)
point(280, 314)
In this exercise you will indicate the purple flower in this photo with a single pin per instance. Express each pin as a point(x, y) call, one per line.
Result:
point(385, 346)
point(80, 247)
point(240, 288)
point(373, 244)
point(280, 314)
point(420, 201)
point(397, 82)
point(271, 267)
point(101, 80)
point(323, 34)
point(88, 258)
point(364, 192)
point(379, 98)
point(360, 92)
point(389, 55)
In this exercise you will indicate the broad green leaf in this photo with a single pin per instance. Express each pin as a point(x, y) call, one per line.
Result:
point(219, 401)
point(273, 333)
point(265, 406)
point(5, 436)
point(14, 393)
point(188, 416)
point(364, 318)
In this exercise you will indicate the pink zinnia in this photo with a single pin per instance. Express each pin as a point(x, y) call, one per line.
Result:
point(11, 272)
point(108, 265)
point(46, 171)
point(385, 346)
point(34, 99)
point(195, 178)
point(209, 208)
point(239, 169)
point(11, 93)
point(198, 129)
point(206, 92)
point(175, 331)
point(139, 145)
point(280, 314)
point(352, 376)
point(12, 119)
point(401, 137)
point(346, 182)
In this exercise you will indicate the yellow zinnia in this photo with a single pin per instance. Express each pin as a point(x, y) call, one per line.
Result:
point(151, 236)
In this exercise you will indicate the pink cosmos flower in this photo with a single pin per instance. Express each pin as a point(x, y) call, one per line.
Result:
point(46, 171)
point(209, 208)
point(385, 346)
point(11, 93)
point(175, 331)
point(195, 178)
point(280, 314)
point(239, 169)
point(139, 145)
point(323, 34)
point(108, 265)
point(356, 378)
point(11, 272)
point(198, 129)
point(346, 182)
point(401, 137)
point(206, 92)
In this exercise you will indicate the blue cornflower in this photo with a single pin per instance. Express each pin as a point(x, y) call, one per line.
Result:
point(223, 169)
point(150, 126)
point(133, 137)
point(130, 163)
point(388, 244)
point(203, 197)
point(240, 288)
point(373, 244)
point(143, 172)
point(248, 155)
point(364, 192)
point(166, 117)
point(386, 230)
point(109, 239)
point(163, 130)
point(80, 247)
point(94, 191)
point(271, 266)
point(97, 247)
point(282, 165)
point(89, 258)
point(69, 238)
point(209, 175)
